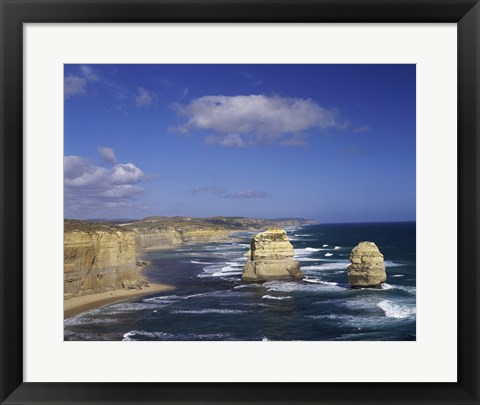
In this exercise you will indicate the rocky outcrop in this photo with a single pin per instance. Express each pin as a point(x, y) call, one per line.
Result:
point(367, 268)
point(271, 257)
point(98, 258)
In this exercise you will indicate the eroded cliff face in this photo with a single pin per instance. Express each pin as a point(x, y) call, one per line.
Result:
point(156, 239)
point(271, 257)
point(155, 233)
point(99, 258)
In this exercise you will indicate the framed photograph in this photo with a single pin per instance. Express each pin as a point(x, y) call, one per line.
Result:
point(239, 202)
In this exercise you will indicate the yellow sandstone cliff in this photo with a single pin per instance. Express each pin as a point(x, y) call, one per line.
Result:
point(271, 257)
point(99, 258)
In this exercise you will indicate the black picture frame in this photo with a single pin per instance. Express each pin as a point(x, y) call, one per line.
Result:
point(14, 13)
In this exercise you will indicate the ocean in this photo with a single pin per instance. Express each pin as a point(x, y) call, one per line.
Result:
point(211, 303)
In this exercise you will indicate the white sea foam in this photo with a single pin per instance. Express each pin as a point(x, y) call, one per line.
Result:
point(226, 274)
point(342, 265)
point(396, 275)
point(318, 281)
point(325, 246)
point(407, 288)
point(86, 320)
point(271, 297)
point(219, 294)
point(198, 295)
point(213, 268)
point(235, 264)
point(222, 269)
point(128, 337)
point(332, 283)
point(396, 311)
point(166, 299)
point(389, 263)
point(328, 254)
point(305, 251)
point(284, 286)
point(198, 262)
point(312, 280)
point(250, 285)
point(337, 247)
point(206, 336)
point(331, 316)
point(123, 308)
point(208, 311)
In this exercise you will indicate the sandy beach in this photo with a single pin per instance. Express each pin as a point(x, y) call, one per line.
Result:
point(77, 305)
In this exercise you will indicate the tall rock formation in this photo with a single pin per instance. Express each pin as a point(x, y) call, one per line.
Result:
point(367, 268)
point(271, 257)
point(99, 258)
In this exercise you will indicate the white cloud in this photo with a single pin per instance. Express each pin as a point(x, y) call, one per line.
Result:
point(79, 173)
point(77, 84)
point(88, 73)
point(144, 97)
point(89, 188)
point(230, 140)
point(126, 174)
point(255, 119)
point(108, 154)
point(74, 85)
point(122, 191)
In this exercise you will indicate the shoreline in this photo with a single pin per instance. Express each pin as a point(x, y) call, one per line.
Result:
point(76, 305)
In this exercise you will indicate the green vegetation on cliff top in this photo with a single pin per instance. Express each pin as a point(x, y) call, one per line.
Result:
point(160, 222)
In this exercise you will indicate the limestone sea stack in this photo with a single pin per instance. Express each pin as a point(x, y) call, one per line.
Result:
point(271, 257)
point(367, 268)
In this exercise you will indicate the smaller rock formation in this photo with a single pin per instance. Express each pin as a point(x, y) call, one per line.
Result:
point(367, 268)
point(271, 257)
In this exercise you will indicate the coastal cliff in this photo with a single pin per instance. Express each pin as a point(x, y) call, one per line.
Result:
point(101, 256)
point(98, 258)
point(155, 233)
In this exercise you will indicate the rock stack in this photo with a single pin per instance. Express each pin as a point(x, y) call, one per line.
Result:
point(271, 257)
point(367, 268)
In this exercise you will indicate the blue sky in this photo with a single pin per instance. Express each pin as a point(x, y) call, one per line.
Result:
point(334, 143)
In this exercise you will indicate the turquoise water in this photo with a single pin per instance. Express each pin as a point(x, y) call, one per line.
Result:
point(211, 303)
